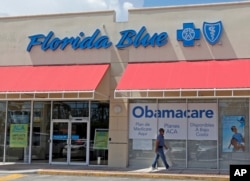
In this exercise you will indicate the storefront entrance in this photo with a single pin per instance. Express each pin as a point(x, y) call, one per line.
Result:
point(69, 141)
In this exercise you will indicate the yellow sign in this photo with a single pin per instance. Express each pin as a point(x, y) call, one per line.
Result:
point(101, 139)
point(18, 135)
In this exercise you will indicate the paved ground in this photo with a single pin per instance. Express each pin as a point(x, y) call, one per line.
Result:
point(212, 175)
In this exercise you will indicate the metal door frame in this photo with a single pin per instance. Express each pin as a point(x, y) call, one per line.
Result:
point(70, 121)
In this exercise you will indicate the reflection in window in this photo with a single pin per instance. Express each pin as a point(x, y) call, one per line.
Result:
point(41, 131)
point(2, 128)
point(202, 154)
point(65, 110)
point(99, 120)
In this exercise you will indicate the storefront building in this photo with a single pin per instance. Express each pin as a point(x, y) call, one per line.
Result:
point(83, 89)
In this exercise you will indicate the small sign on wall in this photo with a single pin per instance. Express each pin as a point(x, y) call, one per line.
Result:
point(233, 134)
point(18, 135)
point(101, 139)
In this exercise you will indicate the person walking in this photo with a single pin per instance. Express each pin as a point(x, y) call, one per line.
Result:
point(159, 150)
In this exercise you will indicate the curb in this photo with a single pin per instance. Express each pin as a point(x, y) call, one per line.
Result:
point(133, 174)
point(18, 171)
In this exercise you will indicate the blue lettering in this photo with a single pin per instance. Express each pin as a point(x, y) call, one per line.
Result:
point(209, 113)
point(194, 114)
point(180, 113)
point(168, 113)
point(145, 111)
point(35, 40)
point(126, 39)
point(185, 113)
point(67, 41)
point(103, 42)
point(158, 114)
point(48, 42)
point(45, 43)
point(90, 40)
point(161, 39)
point(136, 110)
point(171, 131)
point(142, 38)
point(54, 44)
point(149, 113)
point(139, 40)
point(188, 116)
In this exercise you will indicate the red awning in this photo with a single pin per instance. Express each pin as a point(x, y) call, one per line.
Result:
point(51, 78)
point(226, 74)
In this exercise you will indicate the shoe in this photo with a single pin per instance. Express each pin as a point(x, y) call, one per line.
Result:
point(152, 169)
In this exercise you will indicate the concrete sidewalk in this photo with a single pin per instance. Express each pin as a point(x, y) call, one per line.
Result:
point(184, 174)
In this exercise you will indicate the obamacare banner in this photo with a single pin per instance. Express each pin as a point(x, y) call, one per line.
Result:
point(193, 121)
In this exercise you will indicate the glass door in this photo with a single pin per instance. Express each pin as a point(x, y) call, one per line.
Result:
point(59, 141)
point(79, 142)
point(69, 143)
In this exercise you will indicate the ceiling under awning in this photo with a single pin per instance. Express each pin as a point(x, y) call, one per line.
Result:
point(53, 82)
point(184, 79)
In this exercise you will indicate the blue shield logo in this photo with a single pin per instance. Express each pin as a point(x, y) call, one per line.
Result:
point(212, 32)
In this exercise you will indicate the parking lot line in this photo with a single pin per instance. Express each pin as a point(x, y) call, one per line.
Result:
point(11, 177)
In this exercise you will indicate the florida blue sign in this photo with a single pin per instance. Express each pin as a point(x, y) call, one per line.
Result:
point(212, 32)
point(188, 34)
point(130, 37)
point(98, 41)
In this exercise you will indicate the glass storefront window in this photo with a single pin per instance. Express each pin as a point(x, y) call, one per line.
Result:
point(232, 115)
point(38, 136)
point(177, 153)
point(233, 112)
point(202, 154)
point(17, 142)
point(191, 132)
point(41, 132)
point(67, 109)
point(138, 156)
point(2, 128)
point(99, 127)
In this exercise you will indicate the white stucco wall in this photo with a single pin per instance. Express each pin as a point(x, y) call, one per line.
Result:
point(235, 39)
point(234, 42)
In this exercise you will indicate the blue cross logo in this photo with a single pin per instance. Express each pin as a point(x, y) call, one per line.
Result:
point(188, 34)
